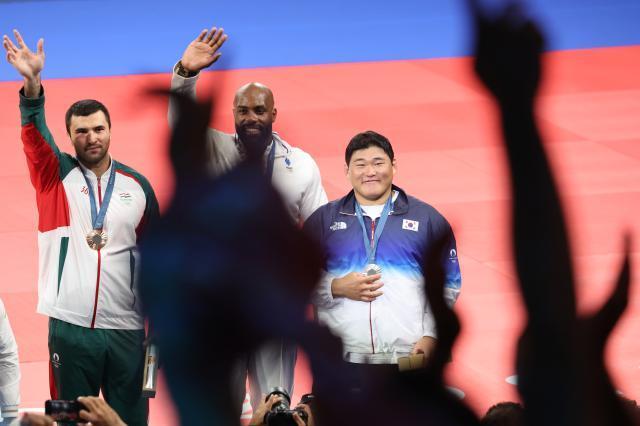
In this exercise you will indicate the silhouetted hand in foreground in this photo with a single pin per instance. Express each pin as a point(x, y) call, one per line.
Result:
point(507, 53)
point(561, 372)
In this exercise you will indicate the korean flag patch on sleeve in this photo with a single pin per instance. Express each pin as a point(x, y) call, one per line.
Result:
point(411, 225)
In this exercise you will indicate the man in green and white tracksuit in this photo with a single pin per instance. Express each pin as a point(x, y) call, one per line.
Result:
point(91, 211)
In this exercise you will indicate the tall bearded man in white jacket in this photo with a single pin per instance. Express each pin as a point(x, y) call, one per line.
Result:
point(292, 171)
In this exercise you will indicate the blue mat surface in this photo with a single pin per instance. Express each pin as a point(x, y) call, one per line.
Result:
point(116, 37)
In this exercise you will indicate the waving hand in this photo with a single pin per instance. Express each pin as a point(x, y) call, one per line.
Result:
point(203, 51)
point(28, 63)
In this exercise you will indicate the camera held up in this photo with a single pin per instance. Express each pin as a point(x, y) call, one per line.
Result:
point(281, 414)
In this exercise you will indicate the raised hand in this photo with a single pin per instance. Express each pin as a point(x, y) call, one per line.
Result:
point(507, 52)
point(28, 63)
point(203, 51)
point(599, 325)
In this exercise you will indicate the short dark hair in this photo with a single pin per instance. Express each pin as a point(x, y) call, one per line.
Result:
point(83, 108)
point(365, 140)
point(504, 414)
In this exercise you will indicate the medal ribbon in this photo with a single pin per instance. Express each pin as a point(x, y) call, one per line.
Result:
point(97, 217)
point(271, 159)
point(372, 246)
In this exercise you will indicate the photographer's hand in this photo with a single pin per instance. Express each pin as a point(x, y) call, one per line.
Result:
point(262, 409)
point(298, 419)
point(34, 419)
point(98, 412)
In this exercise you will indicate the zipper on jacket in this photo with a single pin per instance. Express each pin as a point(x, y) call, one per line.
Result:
point(373, 233)
point(95, 300)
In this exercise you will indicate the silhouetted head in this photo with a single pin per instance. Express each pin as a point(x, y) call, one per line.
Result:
point(504, 414)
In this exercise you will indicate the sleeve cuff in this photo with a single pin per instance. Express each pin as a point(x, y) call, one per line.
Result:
point(451, 296)
point(429, 326)
point(179, 71)
point(32, 102)
point(322, 295)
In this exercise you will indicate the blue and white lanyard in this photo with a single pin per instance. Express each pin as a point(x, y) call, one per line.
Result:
point(97, 218)
point(271, 160)
point(372, 246)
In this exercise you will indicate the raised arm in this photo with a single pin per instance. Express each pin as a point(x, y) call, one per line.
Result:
point(508, 55)
point(28, 64)
point(201, 53)
point(45, 161)
point(556, 342)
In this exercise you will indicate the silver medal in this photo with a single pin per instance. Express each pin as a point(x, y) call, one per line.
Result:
point(372, 269)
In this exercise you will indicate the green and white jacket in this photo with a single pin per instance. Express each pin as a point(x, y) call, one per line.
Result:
point(76, 284)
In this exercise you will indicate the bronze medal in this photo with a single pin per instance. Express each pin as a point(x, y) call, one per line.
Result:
point(97, 239)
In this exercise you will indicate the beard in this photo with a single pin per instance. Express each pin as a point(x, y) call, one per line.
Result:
point(255, 137)
point(91, 157)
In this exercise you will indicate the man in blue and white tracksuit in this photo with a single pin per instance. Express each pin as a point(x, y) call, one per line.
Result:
point(372, 293)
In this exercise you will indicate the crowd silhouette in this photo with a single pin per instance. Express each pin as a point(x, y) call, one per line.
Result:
point(234, 272)
point(225, 271)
